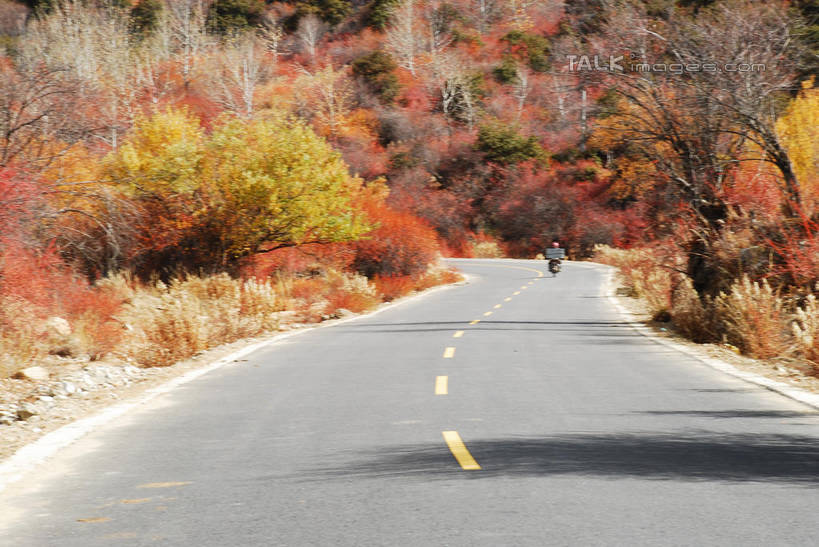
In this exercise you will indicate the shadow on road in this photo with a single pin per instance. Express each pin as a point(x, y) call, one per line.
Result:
point(732, 413)
point(705, 456)
point(436, 326)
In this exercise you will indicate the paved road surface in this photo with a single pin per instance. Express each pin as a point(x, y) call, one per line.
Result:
point(554, 423)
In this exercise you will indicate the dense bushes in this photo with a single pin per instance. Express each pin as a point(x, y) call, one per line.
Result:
point(749, 315)
point(207, 200)
point(45, 308)
point(402, 245)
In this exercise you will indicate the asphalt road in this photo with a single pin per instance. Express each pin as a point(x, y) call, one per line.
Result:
point(556, 424)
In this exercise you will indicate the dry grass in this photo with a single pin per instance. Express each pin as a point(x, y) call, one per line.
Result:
point(171, 322)
point(749, 315)
point(159, 324)
point(392, 287)
point(435, 276)
point(754, 318)
point(805, 328)
point(21, 336)
point(350, 292)
point(644, 275)
point(693, 319)
point(487, 249)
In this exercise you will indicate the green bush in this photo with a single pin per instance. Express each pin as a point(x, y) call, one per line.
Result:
point(504, 145)
point(331, 12)
point(376, 69)
point(227, 16)
point(378, 15)
point(536, 48)
point(507, 71)
point(145, 16)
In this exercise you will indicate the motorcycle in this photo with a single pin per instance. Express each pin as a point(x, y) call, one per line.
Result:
point(554, 255)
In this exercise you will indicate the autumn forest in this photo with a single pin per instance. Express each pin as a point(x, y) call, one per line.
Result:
point(167, 162)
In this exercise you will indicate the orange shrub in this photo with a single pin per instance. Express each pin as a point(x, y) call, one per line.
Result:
point(311, 258)
point(402, 245)
point(437, 277)
point(308, 289)
point(391, 287)
point(354, 302)
point(46, 287)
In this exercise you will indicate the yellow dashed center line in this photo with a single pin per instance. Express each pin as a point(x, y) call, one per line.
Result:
point(531, 283)
point(497, 306)
point(475, 322)
point(441, 385)
point(523, 288)
point(487, 314)
point(449, 352)
point(515, 293)
point(507, 299)
point(458, 449)
point(458, 334)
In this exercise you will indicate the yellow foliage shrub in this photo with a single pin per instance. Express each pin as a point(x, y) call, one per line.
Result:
point(487, 249)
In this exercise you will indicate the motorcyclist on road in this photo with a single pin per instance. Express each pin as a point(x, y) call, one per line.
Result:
point(554, 255)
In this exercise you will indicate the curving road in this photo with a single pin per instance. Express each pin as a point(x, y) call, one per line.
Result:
point(518, 409)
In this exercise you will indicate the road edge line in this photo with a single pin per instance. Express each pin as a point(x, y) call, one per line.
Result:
point(799, 395)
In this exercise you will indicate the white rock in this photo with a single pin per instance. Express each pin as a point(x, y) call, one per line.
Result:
point(32, 373)
point(58, 326)
point(68, 388)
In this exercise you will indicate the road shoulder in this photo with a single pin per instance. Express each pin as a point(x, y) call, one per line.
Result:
point(780, 375)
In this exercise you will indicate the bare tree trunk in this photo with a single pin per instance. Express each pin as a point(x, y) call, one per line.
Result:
point(187, 22)
point(238, 69)
point(309, 34)
point(402, 37)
